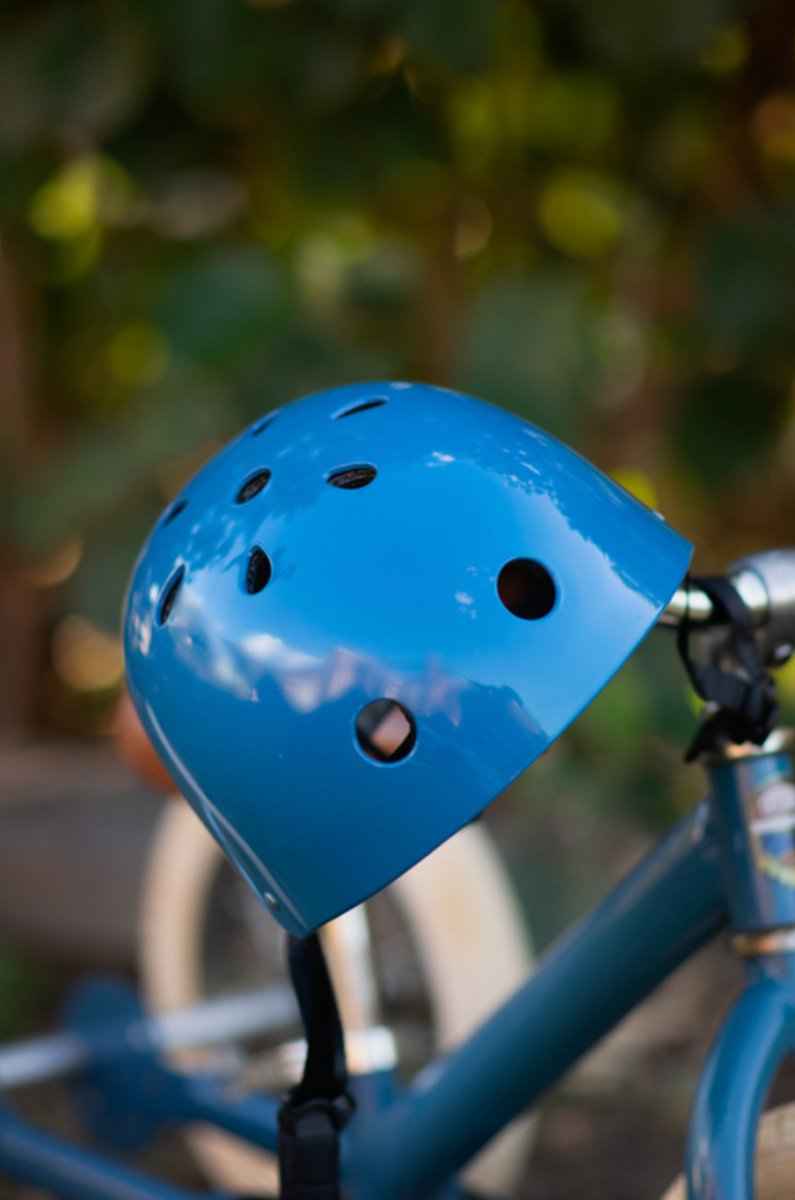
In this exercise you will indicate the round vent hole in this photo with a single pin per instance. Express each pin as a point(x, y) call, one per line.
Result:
point(173, 512)
point(359, 408)
point(386, 731)
point(253, 486)
point(351, 478)
point(258, 571)
point(527, 589)
point(170, 592)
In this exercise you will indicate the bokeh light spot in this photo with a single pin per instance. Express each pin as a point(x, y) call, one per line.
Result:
point(86, 658)
point(726, 50)
point(581, 213)
point(86, 193)
point(773, 127)
point(638, 484)
point(57, 567)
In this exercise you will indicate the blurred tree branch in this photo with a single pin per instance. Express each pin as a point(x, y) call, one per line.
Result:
point(21, 607)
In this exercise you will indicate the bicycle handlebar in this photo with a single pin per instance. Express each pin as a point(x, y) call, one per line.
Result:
point(765, 582)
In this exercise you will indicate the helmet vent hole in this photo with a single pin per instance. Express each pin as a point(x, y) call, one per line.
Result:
point(262, 425)
point(169, 595)
point(351, 478)
point(386, 731)
point(527, 589)
point(253, 486)
point(173, 512)
point(359, 408)
point(258, 571)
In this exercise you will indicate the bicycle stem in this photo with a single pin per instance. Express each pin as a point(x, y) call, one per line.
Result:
point(766, 584)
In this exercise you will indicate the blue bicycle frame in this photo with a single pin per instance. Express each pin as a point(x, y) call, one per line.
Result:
point(730, 862)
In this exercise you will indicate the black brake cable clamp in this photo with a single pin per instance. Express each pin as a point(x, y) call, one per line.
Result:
point(742, 702)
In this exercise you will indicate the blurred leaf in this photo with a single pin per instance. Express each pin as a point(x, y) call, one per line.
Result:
point(643, 40)
point(88, 192)
point(352, 150)
point(618, 718)
point(75, 75)
point(725, 423)
point(101, 469)
point(220, 304)
point(528, 343)
point(386, 279)
point(573, 111)
point(581, 212)
point(749, 280)
point(228, 57)
point(216, 49)
point(96, 589)
point(461, 32)
point(305, 358)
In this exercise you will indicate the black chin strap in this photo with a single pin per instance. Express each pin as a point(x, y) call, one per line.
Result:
point(314, 1113)
point(745, 699)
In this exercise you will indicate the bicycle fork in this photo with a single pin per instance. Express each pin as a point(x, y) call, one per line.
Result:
point(753, 801)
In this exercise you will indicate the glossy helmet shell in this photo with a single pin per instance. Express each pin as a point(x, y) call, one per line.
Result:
point(379, 543)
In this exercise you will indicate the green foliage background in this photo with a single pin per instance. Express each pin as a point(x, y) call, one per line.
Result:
point(583, 211)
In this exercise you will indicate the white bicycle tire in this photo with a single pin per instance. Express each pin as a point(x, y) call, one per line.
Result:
point(468, 932)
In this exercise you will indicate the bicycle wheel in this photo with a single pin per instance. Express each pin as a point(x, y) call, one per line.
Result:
point(448, 944)
point(775, 1158)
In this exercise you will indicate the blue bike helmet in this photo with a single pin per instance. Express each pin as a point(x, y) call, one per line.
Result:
point(366, 616)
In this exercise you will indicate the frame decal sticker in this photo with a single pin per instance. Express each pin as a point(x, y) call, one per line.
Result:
point(772, 824)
